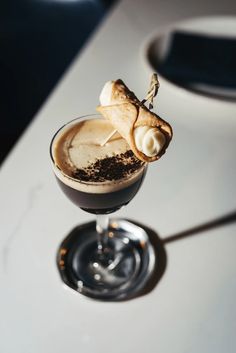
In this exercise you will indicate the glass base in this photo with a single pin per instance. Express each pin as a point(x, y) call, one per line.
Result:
point(118, 272)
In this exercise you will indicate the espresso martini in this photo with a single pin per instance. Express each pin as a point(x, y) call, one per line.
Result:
point(98, 177)
point(100, 162)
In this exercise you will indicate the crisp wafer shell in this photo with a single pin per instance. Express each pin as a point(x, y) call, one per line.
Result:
point(126, 113)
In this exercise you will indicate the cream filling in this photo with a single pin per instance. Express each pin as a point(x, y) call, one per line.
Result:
point(148, 140)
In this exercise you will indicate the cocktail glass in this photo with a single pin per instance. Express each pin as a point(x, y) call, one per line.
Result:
point(110, 259)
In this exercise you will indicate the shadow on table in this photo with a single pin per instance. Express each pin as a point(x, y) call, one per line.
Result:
point(159, 245)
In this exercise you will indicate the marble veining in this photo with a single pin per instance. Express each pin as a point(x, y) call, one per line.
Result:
point(32, 197)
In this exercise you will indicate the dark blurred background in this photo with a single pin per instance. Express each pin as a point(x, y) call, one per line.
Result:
point(38, 40)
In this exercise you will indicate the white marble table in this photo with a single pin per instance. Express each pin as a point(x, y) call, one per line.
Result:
point(192, 309)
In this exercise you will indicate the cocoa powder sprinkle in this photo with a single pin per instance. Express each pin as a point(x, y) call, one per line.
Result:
point(110, 168)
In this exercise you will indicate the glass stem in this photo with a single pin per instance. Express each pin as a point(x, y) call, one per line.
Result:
point(102, 230)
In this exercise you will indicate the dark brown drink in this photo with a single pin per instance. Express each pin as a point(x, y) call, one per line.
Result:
point(97, 177)
point(101, 203)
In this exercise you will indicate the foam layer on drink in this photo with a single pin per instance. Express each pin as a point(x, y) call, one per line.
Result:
point(83, 162)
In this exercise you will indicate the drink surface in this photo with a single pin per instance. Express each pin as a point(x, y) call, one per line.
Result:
point(84, 163)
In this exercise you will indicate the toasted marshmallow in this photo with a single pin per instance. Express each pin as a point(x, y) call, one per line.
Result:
point(105, 96)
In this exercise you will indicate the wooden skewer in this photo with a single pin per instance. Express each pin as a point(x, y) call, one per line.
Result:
point(152, 92)
point(108, 137)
